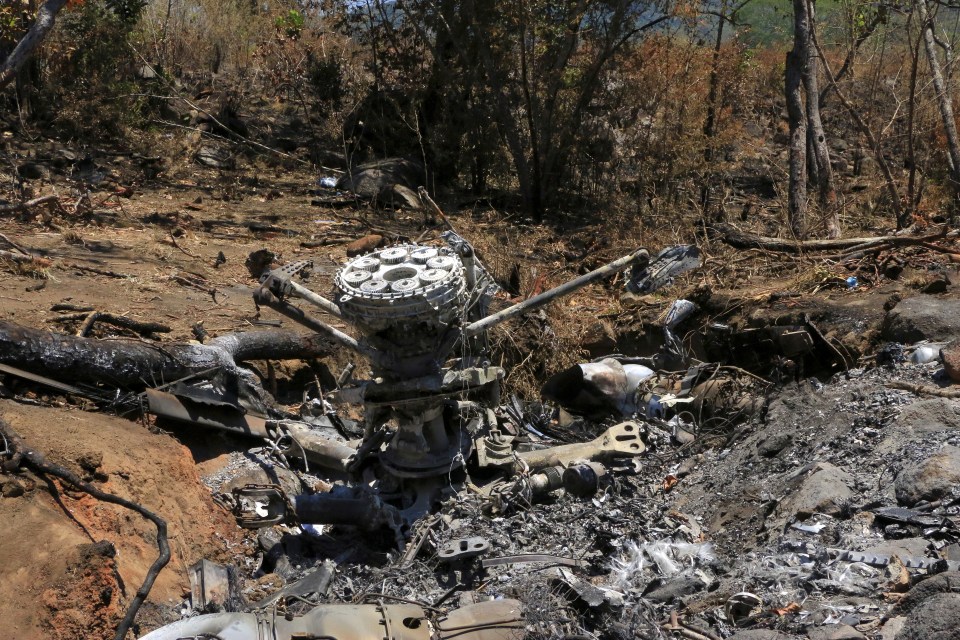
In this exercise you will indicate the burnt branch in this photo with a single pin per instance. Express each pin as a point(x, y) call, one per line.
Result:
point(136, 364)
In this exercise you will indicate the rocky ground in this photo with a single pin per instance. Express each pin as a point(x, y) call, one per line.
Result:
point(781, 526)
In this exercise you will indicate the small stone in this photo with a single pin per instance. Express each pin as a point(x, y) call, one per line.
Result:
point(937, 284)
point(931, 479)
point(825, 490)
point(672, 590)
point(770, 447)
point(91, 461)
point(10, 488)
point(32, 171)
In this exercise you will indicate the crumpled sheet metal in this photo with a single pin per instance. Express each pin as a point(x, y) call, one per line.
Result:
point(493, 620)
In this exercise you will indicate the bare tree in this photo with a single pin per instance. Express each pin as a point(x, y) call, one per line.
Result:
point(817, 138)
point(809, 153)
point(895, 201)
point(46, 16)
point(943, 94)
point(798, 60)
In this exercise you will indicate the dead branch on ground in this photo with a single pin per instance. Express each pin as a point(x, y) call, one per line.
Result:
point(743, 240)
point(924, 390)
point(92, 316)
point(19, 207)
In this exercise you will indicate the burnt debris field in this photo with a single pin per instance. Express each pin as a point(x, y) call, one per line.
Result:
point(450, 320)
point(375, 436)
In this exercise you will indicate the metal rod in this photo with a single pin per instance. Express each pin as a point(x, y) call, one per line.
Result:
point(314, 299)
point(264, 296)
point(546, 297)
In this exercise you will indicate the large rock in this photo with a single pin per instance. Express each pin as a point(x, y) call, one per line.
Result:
point(370, 179)
point(824, 490)
point(835, 632)
point(948, 582)
point(950, 356)
point(937, 618)
point(931, 479)
point(923, 318)
point(760, 634)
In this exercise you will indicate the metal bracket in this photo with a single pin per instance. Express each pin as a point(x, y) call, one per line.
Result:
point(259, 505)
point(463, 549)
point(279, 281)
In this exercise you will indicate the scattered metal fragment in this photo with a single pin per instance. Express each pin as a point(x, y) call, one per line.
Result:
point(317, 581)
point(661, 271)
point(209, 585)
point(912, 516)
point(623, 439)
point(528, 558)
point(742, 605)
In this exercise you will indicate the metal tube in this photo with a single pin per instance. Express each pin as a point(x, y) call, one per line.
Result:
point(546, 297)
point(314, 299)
point(264, 296)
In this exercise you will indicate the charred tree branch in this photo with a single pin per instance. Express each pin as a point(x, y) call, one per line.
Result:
point(134, 364)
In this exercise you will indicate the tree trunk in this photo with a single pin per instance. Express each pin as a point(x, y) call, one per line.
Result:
point(797, 61)
point(46, 16)
point(135, 364)
point(817, 136)
point(943, 96)
point(895, 202)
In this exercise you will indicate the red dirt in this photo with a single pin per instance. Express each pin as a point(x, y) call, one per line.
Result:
point(53, 582)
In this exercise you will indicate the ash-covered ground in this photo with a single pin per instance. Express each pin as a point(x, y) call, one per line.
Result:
point(824, 517)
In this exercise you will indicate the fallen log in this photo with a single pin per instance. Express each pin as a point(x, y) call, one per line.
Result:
point(16, 258)
point(743, 240)
point(138, 364)
point(924, 390)
point(18, 207)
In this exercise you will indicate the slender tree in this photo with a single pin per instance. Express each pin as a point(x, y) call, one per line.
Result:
point(943, 94)
point(798, 60)
point(819, 158)
point(46, 17)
